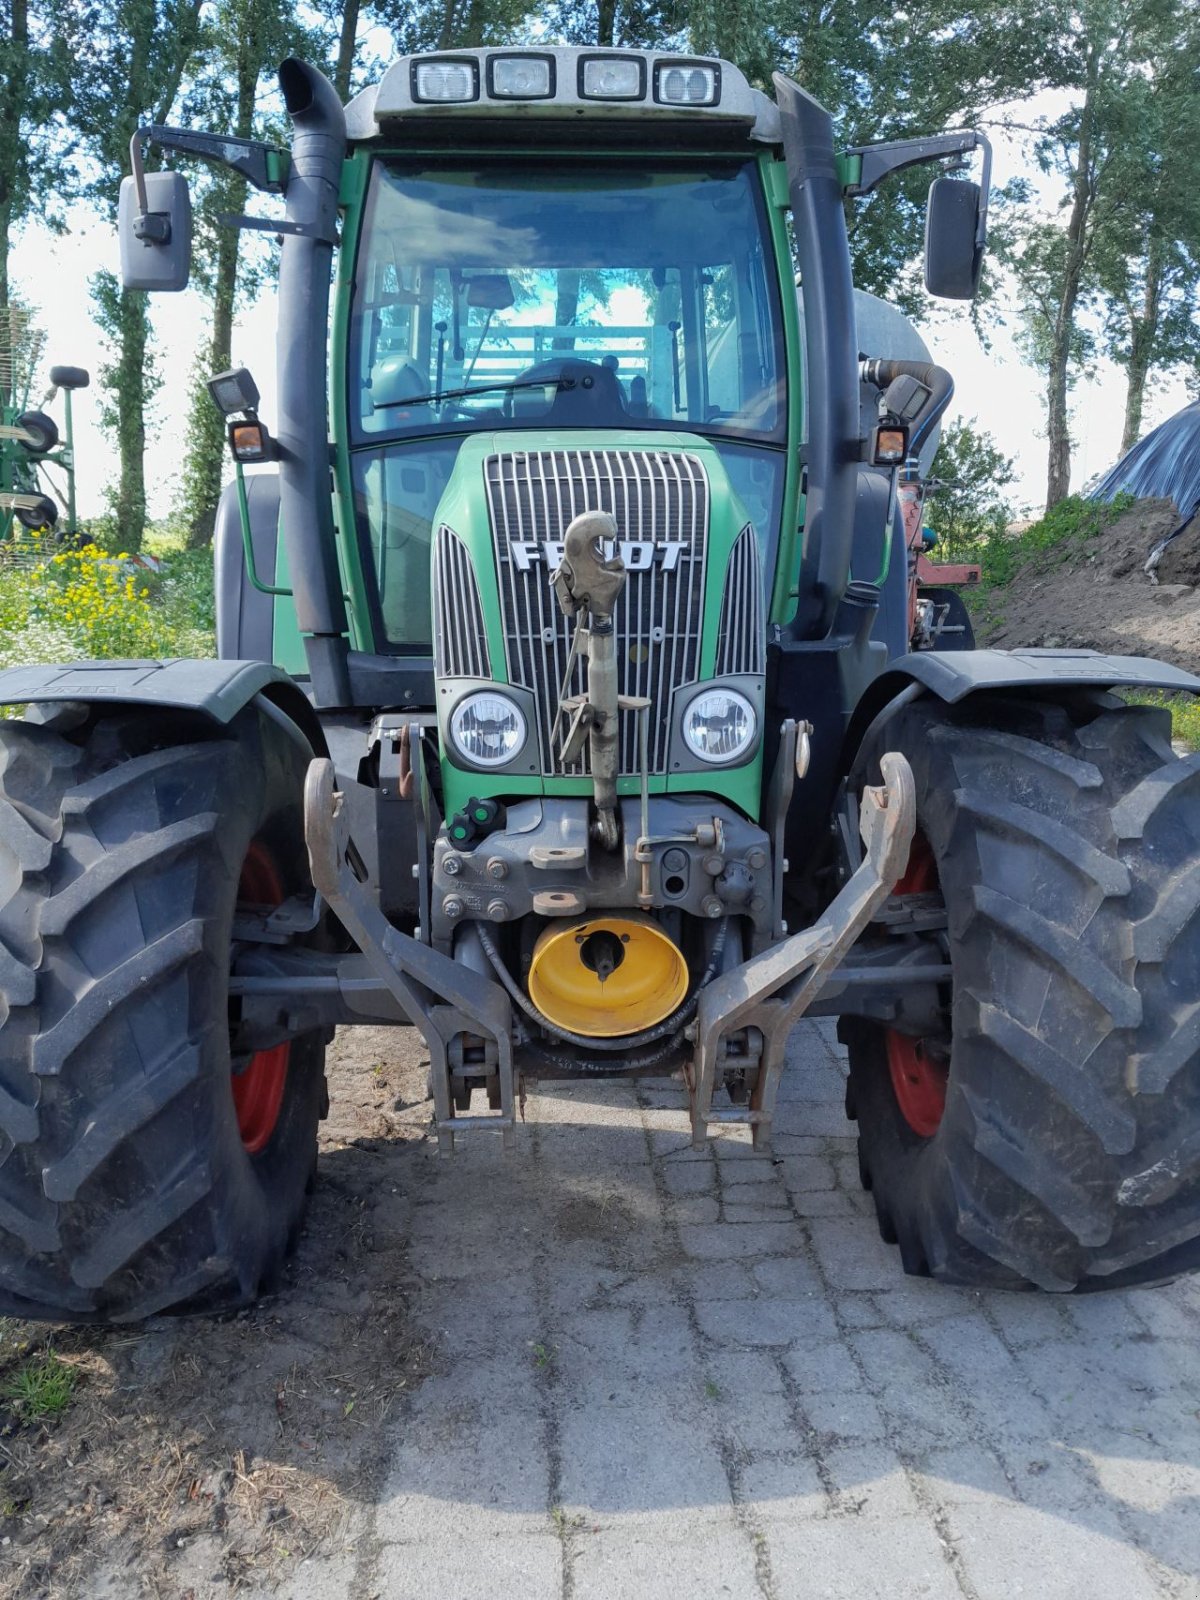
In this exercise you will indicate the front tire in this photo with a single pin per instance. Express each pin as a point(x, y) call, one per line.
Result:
point(1065, 1151)
point(128, 1185)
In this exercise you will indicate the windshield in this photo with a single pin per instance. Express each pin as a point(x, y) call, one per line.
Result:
point(562, 295)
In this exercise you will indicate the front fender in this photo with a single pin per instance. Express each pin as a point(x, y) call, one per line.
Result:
point(952, 675)
point(218, 689)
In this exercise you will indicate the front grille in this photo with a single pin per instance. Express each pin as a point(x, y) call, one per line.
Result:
point(659, 499)
point(741, 640)
point(460, 648)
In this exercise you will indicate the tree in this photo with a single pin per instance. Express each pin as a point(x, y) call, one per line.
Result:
point(128, 69)
point(631, 23)
point(1056, 261)
point(888, 73)
point(242, 40)
point(1148, 258)
point(34, 77)
point(970, 503)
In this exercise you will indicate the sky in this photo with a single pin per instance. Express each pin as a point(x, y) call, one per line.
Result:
point(993, 387)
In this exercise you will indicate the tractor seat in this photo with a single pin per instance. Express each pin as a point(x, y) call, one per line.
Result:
point(395, 379)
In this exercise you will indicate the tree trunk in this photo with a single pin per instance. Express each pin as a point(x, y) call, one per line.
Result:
point(346, 42)
point(5, 226)
point(1143, 330)
point(566, 307)
point(446, 35)
point(133, 322)
point(13, 93)
point(1058, 434)
point(129, 506)
point(206, 431)
point(606, 23)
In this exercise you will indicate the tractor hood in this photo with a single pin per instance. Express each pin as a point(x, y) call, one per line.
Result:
point(691, 616)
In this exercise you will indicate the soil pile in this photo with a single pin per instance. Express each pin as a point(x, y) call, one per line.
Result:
point(1094, 593)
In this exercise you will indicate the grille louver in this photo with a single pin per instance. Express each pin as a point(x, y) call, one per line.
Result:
point(660, 501)
point(741, 639)
point(460, 648)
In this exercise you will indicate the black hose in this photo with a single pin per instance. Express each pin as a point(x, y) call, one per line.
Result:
point(936, 379)
point(589, 1067)
point(631, 1041)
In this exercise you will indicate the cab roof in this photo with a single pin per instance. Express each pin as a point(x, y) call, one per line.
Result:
point(567, 84)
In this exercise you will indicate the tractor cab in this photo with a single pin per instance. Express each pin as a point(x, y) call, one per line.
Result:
point(571, 296)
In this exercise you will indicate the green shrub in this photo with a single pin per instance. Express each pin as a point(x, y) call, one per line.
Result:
point(1062, 533)
point(87, 604)
point(1184, 709)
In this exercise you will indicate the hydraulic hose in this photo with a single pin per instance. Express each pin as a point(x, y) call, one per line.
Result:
point(936, 379)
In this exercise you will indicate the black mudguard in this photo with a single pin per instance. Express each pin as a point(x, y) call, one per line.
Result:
point(953, 674)
point(218, 689)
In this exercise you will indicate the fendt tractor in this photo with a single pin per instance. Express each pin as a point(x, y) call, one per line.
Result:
point(566, 710)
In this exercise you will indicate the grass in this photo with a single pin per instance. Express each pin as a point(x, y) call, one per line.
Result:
point(1053, 539)
point(41, 1387)
point(1184, 709)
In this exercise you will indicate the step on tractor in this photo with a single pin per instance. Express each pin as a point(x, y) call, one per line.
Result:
point(566, 710)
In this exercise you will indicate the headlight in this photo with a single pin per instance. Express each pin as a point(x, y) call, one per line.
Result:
point(719, 725)
point(487, 729)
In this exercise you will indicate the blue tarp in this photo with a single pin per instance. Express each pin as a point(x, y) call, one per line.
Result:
point(1166, 464)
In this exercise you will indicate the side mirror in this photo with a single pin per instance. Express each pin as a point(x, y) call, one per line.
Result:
point(953, 242)
point(156, 237)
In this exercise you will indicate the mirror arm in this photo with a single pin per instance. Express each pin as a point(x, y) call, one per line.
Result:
point(879, 161)
point(264, 166)
point(152, 225)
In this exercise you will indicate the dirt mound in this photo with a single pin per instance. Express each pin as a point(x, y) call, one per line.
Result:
point(1094, 592)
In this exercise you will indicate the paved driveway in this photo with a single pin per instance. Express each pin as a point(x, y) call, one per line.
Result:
point(662, 1373)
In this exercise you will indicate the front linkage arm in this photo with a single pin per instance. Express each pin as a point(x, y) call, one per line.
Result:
point(773, 990)
point(444, 999)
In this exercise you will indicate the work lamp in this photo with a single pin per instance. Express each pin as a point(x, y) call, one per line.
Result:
point(686, 83)
point(442, 81)
point(234, 391)
point(612, 78)
point(524, 77)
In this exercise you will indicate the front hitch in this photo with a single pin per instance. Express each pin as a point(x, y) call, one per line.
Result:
point(588, 585)
point(773, 990)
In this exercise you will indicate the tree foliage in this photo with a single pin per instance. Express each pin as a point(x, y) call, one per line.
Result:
point(1147, 257)
point(34, 94)
point(969, 505)
point(1110, 264)
point(130, 66)
point(1098, 152)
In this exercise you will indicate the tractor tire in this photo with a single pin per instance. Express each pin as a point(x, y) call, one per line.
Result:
point(138, 1174)
point(1050, 1137)
point(42, 429)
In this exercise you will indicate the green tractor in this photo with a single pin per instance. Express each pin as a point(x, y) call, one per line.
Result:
point(565, 711)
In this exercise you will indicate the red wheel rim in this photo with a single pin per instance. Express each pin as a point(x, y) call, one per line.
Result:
point(258, 1090)
point(918, 1079)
